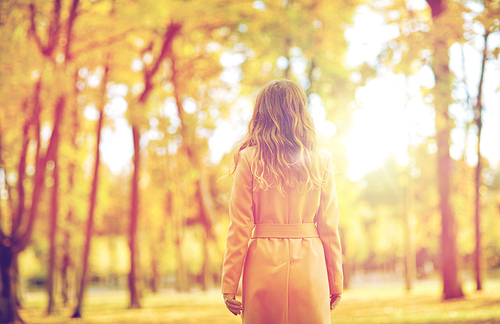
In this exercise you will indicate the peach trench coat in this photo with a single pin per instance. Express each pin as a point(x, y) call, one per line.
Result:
point(285, 280)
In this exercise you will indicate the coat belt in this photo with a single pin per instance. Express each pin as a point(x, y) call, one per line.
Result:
point(285, 230)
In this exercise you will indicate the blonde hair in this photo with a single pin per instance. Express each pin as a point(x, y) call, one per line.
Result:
point(283, 133)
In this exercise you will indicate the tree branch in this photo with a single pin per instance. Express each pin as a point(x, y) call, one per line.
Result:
point(7, 186)
point(170, 34)
point(479, 105)
point(53, 29)
point(71, 21)
point(310, 76)
point(96, 44)
point(436, 6)
point(17, 217)
point(33, 28)
point(22, 240)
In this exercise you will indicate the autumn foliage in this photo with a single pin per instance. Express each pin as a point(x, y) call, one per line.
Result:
point(118, 119)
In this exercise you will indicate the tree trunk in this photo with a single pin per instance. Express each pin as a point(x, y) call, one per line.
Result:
point(189, 145)
point(64, 275)
point(54, 210)
point(93, 199)
point(11, 246)
point(21, 240)
point(155, 277)
point(208, 278)
point(410, 256)
point(409, 216)
point(477, 204)
point(178, 224)
point(449, 255)
point(182, 277)
point(452, 287)
point(134, 211)
point(203, 195)
point(477, 212)
point(17, 217)
point(21, 173)
point(207, 281)
point(410, 259)
point(207, 203)
point(16, 281)
point(52, 238)
point(8, 309)
point(66, 259)
point(170, 34)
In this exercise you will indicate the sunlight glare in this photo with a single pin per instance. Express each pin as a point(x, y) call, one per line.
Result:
point(117, 146)
point(316, 108)
point(367, 36)
point(380, 126)
point(90, 112)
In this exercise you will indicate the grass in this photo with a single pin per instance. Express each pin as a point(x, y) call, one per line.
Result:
point(375, 304)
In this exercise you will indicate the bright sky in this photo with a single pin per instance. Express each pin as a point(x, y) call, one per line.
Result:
point(390, 112)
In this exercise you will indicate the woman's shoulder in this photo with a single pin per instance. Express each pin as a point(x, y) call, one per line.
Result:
point(248, 151)
point(324, 156)
point(247, 154)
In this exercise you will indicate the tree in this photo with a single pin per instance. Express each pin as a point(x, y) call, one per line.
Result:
point(47, 50)
point(452, 287)
point(191, 148)
point(487, 19)
point(67, 257)
point(478, 120)
point(20, 235)
point(171, 31)
point(66, 260)
point(54, 210)
point(426, 37)
point(93, 197)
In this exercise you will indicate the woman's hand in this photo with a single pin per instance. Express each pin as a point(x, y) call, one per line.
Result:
point(232, 304)
point(334, 301)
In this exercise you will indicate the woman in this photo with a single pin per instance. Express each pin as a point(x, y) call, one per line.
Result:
point(284, 216)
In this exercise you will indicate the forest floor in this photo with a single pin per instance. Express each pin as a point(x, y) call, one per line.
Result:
point(373, 304)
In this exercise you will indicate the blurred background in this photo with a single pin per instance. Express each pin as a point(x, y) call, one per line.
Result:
point(119, 118)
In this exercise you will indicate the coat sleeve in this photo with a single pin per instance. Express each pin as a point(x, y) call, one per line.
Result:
point(240, 226)
point(328, 221)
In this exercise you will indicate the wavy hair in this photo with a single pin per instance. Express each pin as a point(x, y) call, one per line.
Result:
point(283, 133)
